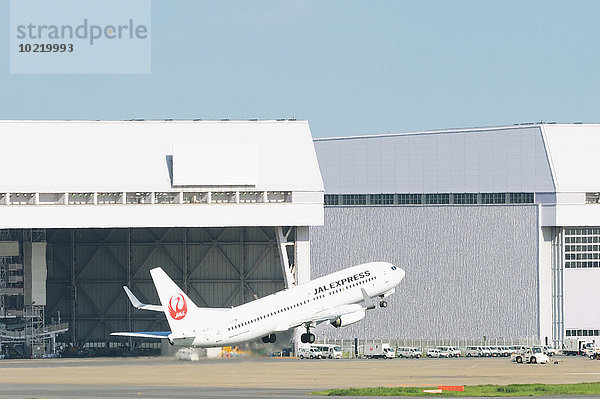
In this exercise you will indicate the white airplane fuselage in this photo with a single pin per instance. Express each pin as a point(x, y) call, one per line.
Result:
point(340, 298)
point(291, 307)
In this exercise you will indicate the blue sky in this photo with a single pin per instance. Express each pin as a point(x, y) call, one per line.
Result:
point(348, 67)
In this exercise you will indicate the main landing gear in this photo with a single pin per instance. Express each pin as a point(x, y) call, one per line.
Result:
point(269, 339)
point(308, 337)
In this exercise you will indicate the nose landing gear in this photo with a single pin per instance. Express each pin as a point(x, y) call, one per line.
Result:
point(382, 303)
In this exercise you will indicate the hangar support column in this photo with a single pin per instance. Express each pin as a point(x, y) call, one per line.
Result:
point(130, 260)
point(302, 255)
point(73, 289)
point(296, 268)
point(558, 309)
point(287, 264)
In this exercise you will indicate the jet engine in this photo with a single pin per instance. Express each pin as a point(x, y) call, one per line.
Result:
point(347, 319)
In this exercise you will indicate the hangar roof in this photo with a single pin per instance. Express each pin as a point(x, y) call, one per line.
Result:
point(84, 156)
point(540, 158)
point(573, 153)
point(63, 174)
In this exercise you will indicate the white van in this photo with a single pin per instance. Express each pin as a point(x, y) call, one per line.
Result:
point(307, 352)
point(456, 352)
point(517, 349)
point(409, 352)
point(330, 351)
point(494, 351)
point(452, 351)
point(437, 353)
point(477, 351)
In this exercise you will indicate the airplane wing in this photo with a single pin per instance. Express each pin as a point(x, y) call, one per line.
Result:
point(330, 314)
point(150, 334)
point(326, 314)
point(138, 304)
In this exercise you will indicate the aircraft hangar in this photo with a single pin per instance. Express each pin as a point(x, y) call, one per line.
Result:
point(87, 207)
point(498, 230)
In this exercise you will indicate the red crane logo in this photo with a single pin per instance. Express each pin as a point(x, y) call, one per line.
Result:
point(177, 307)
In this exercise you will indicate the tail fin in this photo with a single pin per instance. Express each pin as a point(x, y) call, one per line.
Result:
point(178, 307)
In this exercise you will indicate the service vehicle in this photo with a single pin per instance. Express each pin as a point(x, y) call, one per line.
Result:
point(309, 353)
point(330, 351)
point(588, 348)
point(456, 352)
point(480, 351)
point(594, 354)
point(378, 351)
point(452, 352)
point(535, 354)
point(517, 349)
point(493, 351)
point(548, 350)
point(504, 351)
point(434, 352)
point(408, 352)
point(574, 347)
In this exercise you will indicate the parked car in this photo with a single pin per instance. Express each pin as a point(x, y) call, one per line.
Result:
point(309, 353)
point(455, 351)
point(504, 351)
point(330, 351)
point(479, 351)
point(452, 352)
point(517, 349)
point(409, 352)
point(437, 353)
point(494, 351)
point(548, 350)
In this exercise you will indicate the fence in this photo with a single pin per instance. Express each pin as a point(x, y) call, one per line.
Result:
point(347, 345)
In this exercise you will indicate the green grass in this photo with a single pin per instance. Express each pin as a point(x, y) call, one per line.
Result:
point(592, 388)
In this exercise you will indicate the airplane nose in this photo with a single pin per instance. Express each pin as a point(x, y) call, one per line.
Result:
point(401, 274)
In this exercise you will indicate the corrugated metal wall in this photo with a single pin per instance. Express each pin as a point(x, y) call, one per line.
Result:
point(87, 268)
point(471, 271)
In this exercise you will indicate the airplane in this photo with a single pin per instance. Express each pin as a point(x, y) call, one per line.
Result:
point(340, 298)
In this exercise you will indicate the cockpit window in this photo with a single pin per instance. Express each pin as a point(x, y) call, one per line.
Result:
point(393, 267)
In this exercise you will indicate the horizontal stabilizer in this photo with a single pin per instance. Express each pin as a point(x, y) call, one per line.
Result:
point(150, 334)
point(138, 304)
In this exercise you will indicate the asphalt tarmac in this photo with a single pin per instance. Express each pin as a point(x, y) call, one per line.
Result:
point(166, 377)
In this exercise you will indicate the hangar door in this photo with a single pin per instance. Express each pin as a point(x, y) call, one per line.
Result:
point(217, 267)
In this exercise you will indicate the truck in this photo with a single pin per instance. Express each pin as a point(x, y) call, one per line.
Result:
point(535, 354)
point(374, 350)
point(575, 346)
point(593, 353)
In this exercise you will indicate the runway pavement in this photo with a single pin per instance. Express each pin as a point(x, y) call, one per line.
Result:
point(264, 377)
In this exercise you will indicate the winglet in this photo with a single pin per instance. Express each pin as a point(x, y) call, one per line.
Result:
point(138, 304)
point(134, 301)
point(367, 299)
